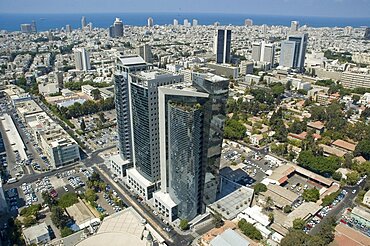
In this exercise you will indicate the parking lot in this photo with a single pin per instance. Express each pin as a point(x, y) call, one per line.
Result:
point(99, 133)
point(298, 184)
point(324, 212)
point(356, 224)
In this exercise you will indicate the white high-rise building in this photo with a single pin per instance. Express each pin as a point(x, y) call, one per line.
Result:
point(248, 22)
point(294, 25)
point(263, 52)
point(195, 22)
point(145, 52)
point(348, 30)
point(186, 23)
point(264, 29)
point(175, 22)
point(82, 59)
point(83, 22)
point(150, 22)
point(293, 51)
point(68, 29)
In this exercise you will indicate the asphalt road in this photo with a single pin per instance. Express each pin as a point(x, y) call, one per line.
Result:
point(145, 212)
point(35, 155)
point(93, 158)
point(337, 211)
point(10, 156)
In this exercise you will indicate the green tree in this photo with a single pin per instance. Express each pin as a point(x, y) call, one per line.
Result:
point(363, 149)
point(184, 224)
point(46, 197)
point(249, 230)
point(66, 231)
point(30, 211)
point(287, 209)
point(311, 195)
point(353, 177)
point(234, 130)
point(67, 200)
point(90, 196)
point(299, 224)
point(298, 126)
point(329, 199)
point(96, 94)
point(271, 217)
point(258, 188)
point(217, 220)
point(58, 217)
point(326, 232)
point(269, 203)
point(29, 221)
point(337, 176)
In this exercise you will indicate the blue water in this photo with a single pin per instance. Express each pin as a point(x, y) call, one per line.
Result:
point(12, 22)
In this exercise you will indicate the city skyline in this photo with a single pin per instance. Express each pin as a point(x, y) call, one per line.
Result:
point(343, 8)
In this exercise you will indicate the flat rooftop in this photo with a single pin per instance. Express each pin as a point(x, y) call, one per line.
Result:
point(126, 221)
point(229, 238)
point(80, 213)
point(304, 211)
point(154, 74)
point(233, 204)
point(165, 198)
point(35, 231)
point(132, 60)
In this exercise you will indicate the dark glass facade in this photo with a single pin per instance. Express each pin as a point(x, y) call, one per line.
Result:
point(185, 140)
point(194, 136)
point(223, 47)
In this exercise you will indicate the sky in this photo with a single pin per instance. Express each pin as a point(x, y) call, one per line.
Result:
point(327, 8)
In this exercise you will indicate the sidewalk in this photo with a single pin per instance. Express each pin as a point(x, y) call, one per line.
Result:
point(134, 205)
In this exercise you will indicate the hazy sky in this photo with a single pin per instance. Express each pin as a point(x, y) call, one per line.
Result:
point(332, 8)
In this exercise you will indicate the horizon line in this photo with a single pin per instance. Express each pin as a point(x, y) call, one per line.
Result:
point(187, 12)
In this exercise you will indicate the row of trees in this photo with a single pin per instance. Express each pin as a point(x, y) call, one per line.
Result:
point(234, 130)
point(297, 237)
point(249, 230)
point(319, 164)
point(88, 107)
point(76, 86)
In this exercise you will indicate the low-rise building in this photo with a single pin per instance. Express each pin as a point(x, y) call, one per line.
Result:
point(256, 139)
point(229, 238)
point(118, 166)
point(316, 126)
point(366, 199)
point(87, 89)
point(344, 145)
point(37, 234)
point(58, 146)
point(355, 80)
point(226, 70)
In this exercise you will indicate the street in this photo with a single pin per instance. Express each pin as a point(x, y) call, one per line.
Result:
point(172, 238)
point(337, 211)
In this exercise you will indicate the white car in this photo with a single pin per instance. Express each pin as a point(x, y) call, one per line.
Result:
point(354, 191)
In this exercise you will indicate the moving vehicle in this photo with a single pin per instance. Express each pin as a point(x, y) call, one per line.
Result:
point(12, 180)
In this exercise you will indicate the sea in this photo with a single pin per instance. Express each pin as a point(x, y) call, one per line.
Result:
point(44, 22)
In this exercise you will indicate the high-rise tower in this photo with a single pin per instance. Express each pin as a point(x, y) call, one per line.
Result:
point(222, 46)
point(191, 123)
point(293, 51)
point(82, 59)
